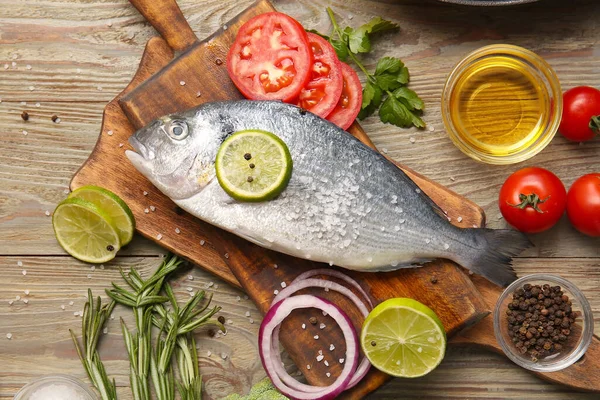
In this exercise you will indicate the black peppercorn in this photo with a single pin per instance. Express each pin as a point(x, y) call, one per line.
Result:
point(538, 318)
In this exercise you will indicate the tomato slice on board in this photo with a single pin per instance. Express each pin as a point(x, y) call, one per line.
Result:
point(322, 92)
point(270, 58)
point(344, 114)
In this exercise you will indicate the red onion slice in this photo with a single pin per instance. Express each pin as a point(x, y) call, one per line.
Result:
point(335, 274)
point(269, 357)
point(297, 285)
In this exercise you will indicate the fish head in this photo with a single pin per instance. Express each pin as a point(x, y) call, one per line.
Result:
point(176, 153)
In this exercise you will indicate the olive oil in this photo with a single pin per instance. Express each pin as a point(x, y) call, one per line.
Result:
point(499, 106)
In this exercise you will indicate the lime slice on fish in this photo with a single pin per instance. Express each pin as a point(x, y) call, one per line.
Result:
point(253, 165)
point(85, 231)
point(403, 338)
point(113, 205)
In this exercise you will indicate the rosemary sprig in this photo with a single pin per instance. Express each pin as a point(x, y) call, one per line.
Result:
point(179, 324)
point(94, 318)
point(142, 298)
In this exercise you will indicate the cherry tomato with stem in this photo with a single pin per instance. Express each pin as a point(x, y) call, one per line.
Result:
point(583, 204)
point(581, 113)
point(532, 199)
point(270, 58)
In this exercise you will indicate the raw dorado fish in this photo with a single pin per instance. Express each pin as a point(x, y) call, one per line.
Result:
point(345, 205)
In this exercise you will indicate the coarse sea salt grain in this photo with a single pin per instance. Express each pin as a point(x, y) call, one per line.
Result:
point(190, 277)
point(71, 303)
point(177, 230)
point(158, 237)
point(182, 83)
point(24, 272)
point(9, 336)
point(331, 347)
point(26, 292)
point(320, 358)
point(322, 326)
point(316, 337)
point(247, 313)
point(275, 292)
point(19, 263)
point(25, 133)
point(303, 326)
point(326, 363)
point(341, 360)
point(57, 392)
point(26, 301)
point(146, 211)
point(459, 219)
point(110, 133)
point(62, 306)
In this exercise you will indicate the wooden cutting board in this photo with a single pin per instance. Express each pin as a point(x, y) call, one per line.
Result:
point(201, 68)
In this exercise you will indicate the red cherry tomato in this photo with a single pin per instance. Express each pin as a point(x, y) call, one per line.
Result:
point(344, 114)
point(270, 58)
point(532, 199)
point(323, 90)
point(581, 113)
point(583, 204)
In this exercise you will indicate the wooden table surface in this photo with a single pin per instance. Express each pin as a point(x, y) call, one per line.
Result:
point(70, 57)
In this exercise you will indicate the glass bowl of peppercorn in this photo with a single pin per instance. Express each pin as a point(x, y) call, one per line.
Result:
point(543, 322)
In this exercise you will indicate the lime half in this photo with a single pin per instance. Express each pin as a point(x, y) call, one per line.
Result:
point(113, 205)
point(403, 338)
point(85, 231)
point(253, 165)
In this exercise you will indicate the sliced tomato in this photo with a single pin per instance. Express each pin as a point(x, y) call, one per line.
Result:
point(324, 88)
point(270, 58)
point(344, 114)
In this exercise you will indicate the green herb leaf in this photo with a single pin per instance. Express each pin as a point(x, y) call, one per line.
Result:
point(378, 24)
point(341, 49)
point(409, 98)
point(358, 40)
point(395, 112)
point(371, 100)
point(391, 73)
point(388, 64)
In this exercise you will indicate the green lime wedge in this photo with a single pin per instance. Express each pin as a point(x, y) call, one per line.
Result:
point(113, 205)
point(253, 165)
point(85, 231)
point(403, 338)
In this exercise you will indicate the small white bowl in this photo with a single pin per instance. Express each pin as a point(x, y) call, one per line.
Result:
point(63, 380)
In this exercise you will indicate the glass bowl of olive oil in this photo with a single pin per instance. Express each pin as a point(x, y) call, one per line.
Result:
point(502, 104)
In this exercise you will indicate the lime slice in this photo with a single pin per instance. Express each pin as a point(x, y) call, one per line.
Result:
point(403, 338)
point(113, 205)
point(253, 165)
point(85, 231)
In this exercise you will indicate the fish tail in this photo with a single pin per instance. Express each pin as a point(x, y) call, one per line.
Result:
point(493, 253)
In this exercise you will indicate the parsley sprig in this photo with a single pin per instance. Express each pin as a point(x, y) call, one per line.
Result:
point(385, 89)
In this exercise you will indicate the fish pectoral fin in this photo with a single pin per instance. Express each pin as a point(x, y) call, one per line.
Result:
point(251, 238)
point(417, 263)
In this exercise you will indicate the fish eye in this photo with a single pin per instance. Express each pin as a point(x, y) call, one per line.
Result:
point(177, 129)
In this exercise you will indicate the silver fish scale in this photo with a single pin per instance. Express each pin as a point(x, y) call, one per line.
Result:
point(345, 203)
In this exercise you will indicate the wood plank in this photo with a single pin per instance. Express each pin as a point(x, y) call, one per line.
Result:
point(41, 342)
